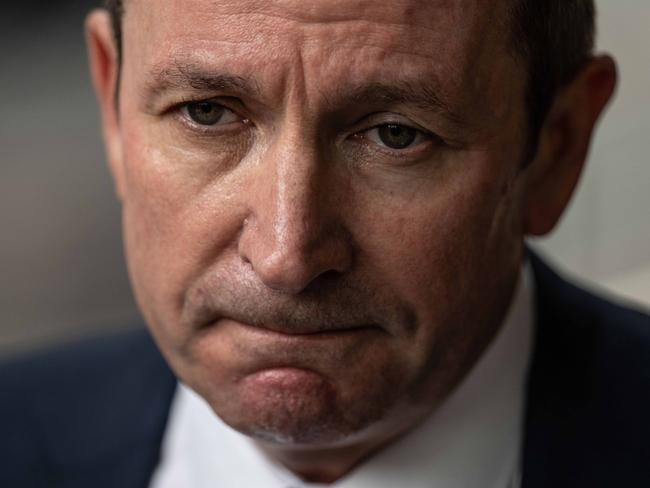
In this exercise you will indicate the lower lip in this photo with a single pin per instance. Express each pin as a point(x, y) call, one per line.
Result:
point(286, 358)
point(285, 377)
point(270, 334)
point(264, 385)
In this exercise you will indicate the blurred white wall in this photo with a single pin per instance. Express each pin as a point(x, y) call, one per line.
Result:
point(61, 266)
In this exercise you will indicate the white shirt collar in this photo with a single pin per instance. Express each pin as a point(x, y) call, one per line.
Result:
point(472, 441)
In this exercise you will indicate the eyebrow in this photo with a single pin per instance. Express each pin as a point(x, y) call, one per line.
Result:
point(183, 76)
point(423, 96)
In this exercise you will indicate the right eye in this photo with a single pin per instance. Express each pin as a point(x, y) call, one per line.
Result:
point(209, 113)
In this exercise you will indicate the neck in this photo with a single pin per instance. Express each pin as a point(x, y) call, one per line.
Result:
point(328, 464)
point(321, 465)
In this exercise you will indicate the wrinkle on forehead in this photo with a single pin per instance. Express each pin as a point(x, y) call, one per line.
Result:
point(447, 41)
point(245, 18)
point(428, 29)
point(412, 12)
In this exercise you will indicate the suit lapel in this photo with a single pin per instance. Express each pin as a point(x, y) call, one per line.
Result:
point(114, 436)
point(588, 391)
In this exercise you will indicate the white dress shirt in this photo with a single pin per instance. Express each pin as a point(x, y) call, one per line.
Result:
point(472, 441)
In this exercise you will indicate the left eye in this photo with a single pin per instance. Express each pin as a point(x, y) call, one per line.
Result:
point(395, 136)
point(209, 113)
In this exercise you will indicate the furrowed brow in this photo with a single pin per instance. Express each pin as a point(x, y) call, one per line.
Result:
point(421, 96)
point(187, 76)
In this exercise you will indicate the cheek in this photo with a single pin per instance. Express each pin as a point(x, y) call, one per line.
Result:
point(178, 215)
point(440, 250)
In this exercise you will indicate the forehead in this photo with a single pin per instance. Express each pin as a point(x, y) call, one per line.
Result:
point(462, 42)
point(439, 24)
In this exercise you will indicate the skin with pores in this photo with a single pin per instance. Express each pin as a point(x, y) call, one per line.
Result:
point(322, 290)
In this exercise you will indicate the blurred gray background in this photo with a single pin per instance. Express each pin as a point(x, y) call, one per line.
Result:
point(61, 264)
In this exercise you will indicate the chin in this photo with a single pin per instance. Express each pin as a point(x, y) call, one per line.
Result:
point(292, 407)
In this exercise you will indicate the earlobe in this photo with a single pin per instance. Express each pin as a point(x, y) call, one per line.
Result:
point(104, 71)
point(564, 144)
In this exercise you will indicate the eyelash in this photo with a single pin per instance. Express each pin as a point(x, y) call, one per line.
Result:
point(180, 111)
point(419, 132)
point(427, 140)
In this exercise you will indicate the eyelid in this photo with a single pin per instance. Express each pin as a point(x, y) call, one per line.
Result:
point(390, 118)
point(179, 110)
point(184, 109)
point(376, 120)
point(420, 137)
point(381, 119)
point(416, 150)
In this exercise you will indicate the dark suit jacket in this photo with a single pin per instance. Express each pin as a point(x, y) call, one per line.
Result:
point(93, 415)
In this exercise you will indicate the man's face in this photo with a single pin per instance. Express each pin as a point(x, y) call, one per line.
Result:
point(322, 202)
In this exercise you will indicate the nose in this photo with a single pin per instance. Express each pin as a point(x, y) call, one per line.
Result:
point(293, 234)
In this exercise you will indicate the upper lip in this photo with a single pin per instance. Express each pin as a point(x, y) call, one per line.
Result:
point(289, 317)
point(289, 326)
point(309, 330)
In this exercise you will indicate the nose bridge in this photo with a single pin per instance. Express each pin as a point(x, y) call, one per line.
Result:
point(295, 216)
point(293, 235)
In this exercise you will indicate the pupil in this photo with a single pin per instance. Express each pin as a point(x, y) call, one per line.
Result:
point(205, 113)
point(397, 136)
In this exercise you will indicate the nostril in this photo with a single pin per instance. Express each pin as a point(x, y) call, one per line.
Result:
point(324, 281)
point(289, 250)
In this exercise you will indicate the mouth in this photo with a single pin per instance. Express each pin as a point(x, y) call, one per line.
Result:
point(314, 331)
point(286, 326)
point(244, 349)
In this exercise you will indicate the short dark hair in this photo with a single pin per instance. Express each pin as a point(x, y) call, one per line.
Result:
point(554, 38)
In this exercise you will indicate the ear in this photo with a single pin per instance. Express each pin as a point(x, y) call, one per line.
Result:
point(104, 70)
point(564, 144)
